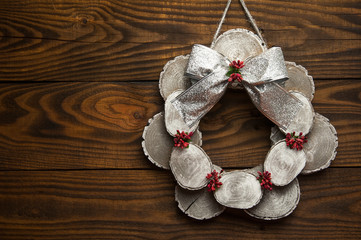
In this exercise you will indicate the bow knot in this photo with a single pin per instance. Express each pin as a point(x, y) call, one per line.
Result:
point(259, 76)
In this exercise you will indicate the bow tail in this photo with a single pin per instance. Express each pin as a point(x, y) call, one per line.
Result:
point(275, 103)
point(199, 99)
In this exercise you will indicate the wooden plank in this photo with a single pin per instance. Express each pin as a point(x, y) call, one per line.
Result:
point(99, 125)
point(29, 59)
point(140, 204)
point(57, 40)
point(175, 21)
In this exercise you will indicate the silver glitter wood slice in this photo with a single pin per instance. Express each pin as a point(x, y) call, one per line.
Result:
point(278, 203)
point(299, 80)
point(172, 77)
point(240, 189)
point(284, 163)
point(321, 146)
point(239, 44)
point(173, 120)
point(304, 118)
point(199, 204)
point(190, 167)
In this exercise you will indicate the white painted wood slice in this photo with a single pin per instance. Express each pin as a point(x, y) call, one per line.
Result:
point(197, 138)
point(217, 168)
point(172, 77)
point(254, 171)
point(304, 119)
point(199, 204)
point(284, 163)
point(190, 167)
point(276, 135)
point(278, 203)
point(155, 132)
point(157, 144)
point(240, 189)
point(239, 44)
point(299, 80)
point(321, 146)
point(173, 120)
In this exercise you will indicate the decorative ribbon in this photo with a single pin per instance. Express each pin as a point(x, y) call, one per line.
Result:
point(260, 75)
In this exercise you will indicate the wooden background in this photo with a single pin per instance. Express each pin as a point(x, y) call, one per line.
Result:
point(79, 81)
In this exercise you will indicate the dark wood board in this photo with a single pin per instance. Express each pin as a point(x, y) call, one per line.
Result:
point(29, 59)
point(131, 40)
point(79, 81)
point(99, 125)
point(173, 21)
point(139, 204)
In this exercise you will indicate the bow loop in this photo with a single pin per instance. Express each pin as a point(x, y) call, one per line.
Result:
point(267, 67)
point(203, 61)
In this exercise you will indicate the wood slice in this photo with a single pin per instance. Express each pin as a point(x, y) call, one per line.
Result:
point(239, 190)
point(173, 120)
point(254, 171)
point(278, 203)
point(284, 163)
point(276, 135)
point(304, 119)
point(172, 77)
point(217, 168)
point(321, 146)
point(197, 138)
point(155, 132)
point(299, 80)
point(239, 44)
point(199, 204)
point(157, 144)
point(190, 167)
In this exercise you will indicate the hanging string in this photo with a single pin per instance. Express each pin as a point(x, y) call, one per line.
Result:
point(221, 22)
point(253, 22)
point(249, 16)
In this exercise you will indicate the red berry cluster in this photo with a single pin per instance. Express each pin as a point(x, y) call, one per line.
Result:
point(294, 141)
point(214, 180)
point(234, 71)
point(182, 139)
point(237, 64)
point(265, 180)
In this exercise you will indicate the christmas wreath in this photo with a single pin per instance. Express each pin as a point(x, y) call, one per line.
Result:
point(303, 141)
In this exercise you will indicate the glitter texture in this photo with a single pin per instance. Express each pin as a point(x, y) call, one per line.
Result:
point(260, 73)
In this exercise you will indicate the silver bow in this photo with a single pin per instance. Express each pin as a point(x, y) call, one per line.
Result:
point(260, 74)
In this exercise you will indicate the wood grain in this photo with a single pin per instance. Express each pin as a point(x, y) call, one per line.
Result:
point(57, 40)
point(174, 21)
point(139, 204)
point(299, 80)
point(28, 59)
point(79, 81)
point(190, 166)
point(199, 204)
point(278, 203)
point(239, 189)
point(320, 153)
point(284, 163)
point(99, 125)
